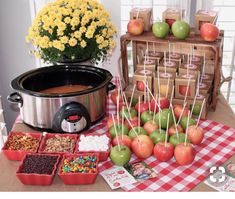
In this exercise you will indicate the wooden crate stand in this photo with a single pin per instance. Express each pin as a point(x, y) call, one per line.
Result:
point(213, 51)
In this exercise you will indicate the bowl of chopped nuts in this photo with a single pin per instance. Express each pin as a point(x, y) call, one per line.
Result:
point(20, 143)
point(58, 144)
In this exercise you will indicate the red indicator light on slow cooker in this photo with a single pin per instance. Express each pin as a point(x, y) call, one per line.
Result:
point(73, 117)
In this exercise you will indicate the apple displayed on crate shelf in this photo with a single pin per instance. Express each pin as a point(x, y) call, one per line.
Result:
point(141, 76)
point(180, 29)
point(171, 15)
point(160, 29)
point(135, 26)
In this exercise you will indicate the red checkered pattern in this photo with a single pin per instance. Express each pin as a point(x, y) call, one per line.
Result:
point(218, 145)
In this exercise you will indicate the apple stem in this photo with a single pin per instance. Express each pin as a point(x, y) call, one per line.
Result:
point(118, 97)
point(194, 101)
point(181, 114)
point(131, 126)
point(168, 81)
point(115, 129)
point(132, 95)
point(167, 127)
point(198, 120)
point(185, 97)
point(186, 133)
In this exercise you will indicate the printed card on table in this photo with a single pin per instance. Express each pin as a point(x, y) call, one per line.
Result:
point(140, 170)
point(223, 181)
point(117, 177)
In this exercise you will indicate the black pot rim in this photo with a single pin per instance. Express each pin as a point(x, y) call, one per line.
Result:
point(16, 83)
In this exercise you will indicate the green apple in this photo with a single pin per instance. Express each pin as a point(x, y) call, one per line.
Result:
point(174, 139)
point(138, 130)
point(180, 29)
point(163, 118)
point(158, 136)
point(134, 101)
point(119, 130)
point(120, 157)
point(196, 109)
point(125, 111)
point(160, 29)
point(184, 120)
point(146, 116)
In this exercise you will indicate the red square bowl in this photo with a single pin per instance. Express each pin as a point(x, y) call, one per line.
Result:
point(52, 135)
point(35, 178)
point(78, 178)
point(19, 154)
point(103, 155)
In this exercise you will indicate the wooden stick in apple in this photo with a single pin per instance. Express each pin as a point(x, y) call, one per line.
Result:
point(167, 128)
point(185, 97)
point(177, 133)
point(181, 10)
point(148, 97)
point(194, 101)
point(118, 97)
point(116, 133)
point(167, 88)
point(172, 94)
point(198, 119)
point(132, 95)
point(164, 62)
point(186, 133)
point(131, 125)
point(139, 113)
point(181, 113)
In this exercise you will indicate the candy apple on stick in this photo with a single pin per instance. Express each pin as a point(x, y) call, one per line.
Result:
point(184, 153)
point(164, 151)
point(136, 26)
point(120, 155)
point(195, 133)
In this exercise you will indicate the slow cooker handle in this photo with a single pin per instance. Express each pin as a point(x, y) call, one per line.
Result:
point(110, 86)
point(15, 98)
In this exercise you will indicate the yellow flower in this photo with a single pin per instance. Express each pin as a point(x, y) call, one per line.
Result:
point(89, 34)
point(72, 42)
point(64, 39)
point(67, 20)
point(82, 29)
point(100, 46)
point(99, 39)
point(78, 34)
point(105, 43)
point(83, 44)
point(112, 43)
point(74, 21)
point(62, 26)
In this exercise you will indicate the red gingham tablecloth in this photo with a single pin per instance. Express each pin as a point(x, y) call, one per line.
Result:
point(218, 146)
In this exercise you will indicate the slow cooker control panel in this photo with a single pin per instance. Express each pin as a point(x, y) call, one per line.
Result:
point(73, 123)
point(71, 118)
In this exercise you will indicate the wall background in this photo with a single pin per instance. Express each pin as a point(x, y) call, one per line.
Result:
point(14, 57)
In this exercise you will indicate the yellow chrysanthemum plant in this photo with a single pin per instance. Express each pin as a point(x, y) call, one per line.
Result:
point(72, 30)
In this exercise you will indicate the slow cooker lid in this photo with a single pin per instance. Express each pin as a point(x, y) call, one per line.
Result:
point(32, 82)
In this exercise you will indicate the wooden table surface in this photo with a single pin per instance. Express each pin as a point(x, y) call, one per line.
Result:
point(9, 182)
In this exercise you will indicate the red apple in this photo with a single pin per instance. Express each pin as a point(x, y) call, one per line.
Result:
point(135, 26)
point(150, 126)
point(110, 121)
point(172, 129)
point(125, 140)
point(170, 22)
point(143, 107)
point(114, 95)
point(140, 85)
point(209, 32)
point(178, 109)
point(195, 134)
point(163, 153)
point(183, 90)
point(133, 121)
point(184, 153)
point(164, 103)
point(142, 146)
